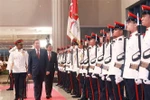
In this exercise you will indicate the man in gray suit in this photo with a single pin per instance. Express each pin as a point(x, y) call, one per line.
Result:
point(38, 62)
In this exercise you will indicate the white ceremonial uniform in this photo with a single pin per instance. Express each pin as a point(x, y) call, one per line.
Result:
point(143, 72)
point(18, 61)
point(131, 49)
point(99, 61)
point(80, 57)
point(118, 53)
point(92, 56)
point(85, 61)
point(107, 59)
point(75, 63)
point(68, 61)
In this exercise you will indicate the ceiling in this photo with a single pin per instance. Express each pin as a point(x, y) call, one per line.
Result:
point(24, 19)
point(8, 35)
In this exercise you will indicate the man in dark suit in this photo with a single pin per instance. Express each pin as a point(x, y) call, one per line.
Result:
point(38, 61)
point(51, 70)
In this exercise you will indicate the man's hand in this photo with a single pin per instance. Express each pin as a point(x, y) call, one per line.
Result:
point(47, 72)
point(56, 72)
point(29, 75)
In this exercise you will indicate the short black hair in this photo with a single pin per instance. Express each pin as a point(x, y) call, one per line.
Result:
point(48, 45)
point(36, 40)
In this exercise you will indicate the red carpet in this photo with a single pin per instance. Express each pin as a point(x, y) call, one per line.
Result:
point(30, 93)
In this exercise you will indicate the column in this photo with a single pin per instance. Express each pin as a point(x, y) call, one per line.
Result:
point(59, 23)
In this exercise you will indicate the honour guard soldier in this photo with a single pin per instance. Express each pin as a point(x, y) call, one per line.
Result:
point(68, 69)
point(58, 57)
point(132, 60)
point(92, 61)
point(80, 61)
point(117, 61)
point(84, 68)
point(107, 63)
point(144, 70)
point(18, 62)
point(75, 69)
point(98, 67)
point(11, 75)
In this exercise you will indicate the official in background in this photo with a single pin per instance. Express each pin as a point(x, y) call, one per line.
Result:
point(11, 75)
point(18, 62)
point(51, 70)
point(38, 62)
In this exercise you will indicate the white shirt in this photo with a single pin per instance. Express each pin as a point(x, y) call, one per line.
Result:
point(18, 61)
point(131, 49)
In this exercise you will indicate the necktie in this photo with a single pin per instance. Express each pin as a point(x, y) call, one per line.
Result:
point(49, 57)
point(38, 54)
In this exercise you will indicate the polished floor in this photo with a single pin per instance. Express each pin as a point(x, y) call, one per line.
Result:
point(9, 95)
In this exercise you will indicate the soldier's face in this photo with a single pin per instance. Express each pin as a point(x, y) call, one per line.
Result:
point(92, 42)
point(117, 32)
point(19, 45)
point(101, 39)
point(146, 20)
point(131, 26)
point(37, 44)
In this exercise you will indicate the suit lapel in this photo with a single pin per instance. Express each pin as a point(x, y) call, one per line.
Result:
point(35, 53)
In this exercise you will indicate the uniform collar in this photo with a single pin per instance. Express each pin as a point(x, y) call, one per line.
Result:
point(134, 33)
point(119, 37)
point(148, 28)
point(19, 50)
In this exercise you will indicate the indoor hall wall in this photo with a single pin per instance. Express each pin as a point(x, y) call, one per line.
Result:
point(99, 13)
point(124, 5)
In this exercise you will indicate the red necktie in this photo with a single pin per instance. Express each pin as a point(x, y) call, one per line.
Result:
point(38, 54)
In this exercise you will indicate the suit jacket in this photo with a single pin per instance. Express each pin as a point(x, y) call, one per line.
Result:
point(37, 66)
point(53, 63)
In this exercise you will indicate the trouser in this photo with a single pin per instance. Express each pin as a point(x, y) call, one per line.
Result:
point(75, 81)
point(96, 88)
point(103, 90)
point(134, 91)
point(109, 90)
point(49, 83)
point(63, 79)
point(118, 89)
point(38, 82)
point(146, 91)
point(89, 88)
point(11, 77)
point(83, 86)
point(68, 80)
point(25, 88)
point(58, 77)
point(19, 84)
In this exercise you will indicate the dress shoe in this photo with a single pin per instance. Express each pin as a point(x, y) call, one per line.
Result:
point(76, 96)
point(16, 99)
point(48, 96)
point(83, 99)
point(25, 97)
point(9, 89)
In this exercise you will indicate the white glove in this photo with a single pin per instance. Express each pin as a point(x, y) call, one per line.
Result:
point(146, 82)
point(118, 79)
point(138, 81)
point(103, 77)
point(108, 78)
